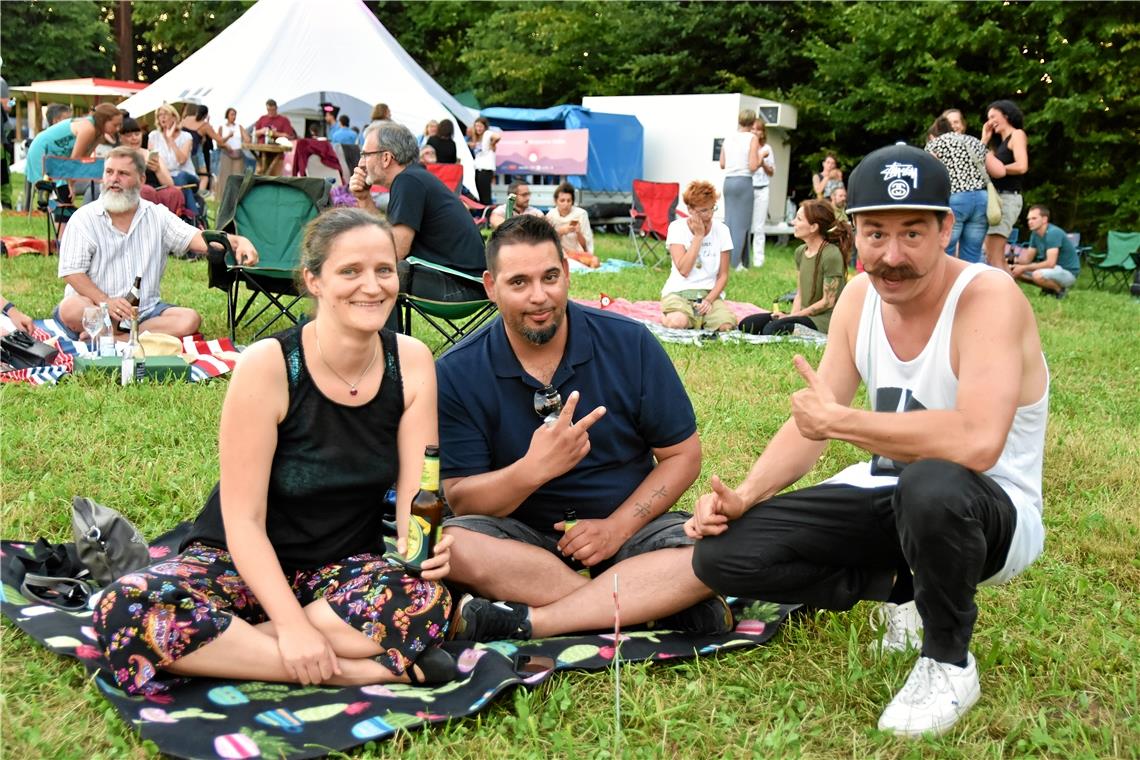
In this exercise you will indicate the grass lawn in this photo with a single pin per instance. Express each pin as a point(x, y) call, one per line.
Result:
point(1058, 648)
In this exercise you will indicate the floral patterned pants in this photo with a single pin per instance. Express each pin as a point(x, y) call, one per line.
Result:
point(148, 619)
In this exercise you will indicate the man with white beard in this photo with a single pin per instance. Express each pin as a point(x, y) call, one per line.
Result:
point(118, 237)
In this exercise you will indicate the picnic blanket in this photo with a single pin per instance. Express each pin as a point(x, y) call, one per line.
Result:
point(207, 358)
point(17, 245)
point(648, 313)
point(203, 718)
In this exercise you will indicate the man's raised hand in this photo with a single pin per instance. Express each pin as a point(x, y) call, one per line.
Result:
point(557, 447)
point(813, 406)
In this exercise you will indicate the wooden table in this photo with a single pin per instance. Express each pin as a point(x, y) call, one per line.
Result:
point(266, 154)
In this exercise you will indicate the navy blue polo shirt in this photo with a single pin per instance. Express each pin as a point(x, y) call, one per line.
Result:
point(487, 417)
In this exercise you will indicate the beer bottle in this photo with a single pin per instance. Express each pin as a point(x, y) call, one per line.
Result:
point(510, 209)
point(427, 514)
point(569, 520)
point(133, 296)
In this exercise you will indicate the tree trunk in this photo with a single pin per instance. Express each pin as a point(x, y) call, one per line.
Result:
point(125, 35)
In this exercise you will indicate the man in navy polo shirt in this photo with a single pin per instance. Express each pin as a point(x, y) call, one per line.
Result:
point(1050, 260)
point(618, 463)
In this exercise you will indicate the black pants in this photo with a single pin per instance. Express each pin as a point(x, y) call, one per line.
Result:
point(763, 324)
point(830, 546)
point(484, 178)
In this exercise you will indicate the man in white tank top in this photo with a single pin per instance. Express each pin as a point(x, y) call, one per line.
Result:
point(951, 497)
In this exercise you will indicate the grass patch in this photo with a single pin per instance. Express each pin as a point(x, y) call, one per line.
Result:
point(1058, 647)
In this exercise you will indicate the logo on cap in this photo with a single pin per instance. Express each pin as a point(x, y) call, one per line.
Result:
point(898, 173)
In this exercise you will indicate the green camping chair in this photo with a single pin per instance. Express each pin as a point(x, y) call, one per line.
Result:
point(1118, 262)
point(453, 320)
point(272, 212)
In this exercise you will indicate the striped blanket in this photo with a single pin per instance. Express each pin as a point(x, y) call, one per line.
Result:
point(207, 358)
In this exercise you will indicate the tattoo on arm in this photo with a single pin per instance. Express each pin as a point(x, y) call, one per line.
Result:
point(641, 509)
point(659, 493)
point(831, 290)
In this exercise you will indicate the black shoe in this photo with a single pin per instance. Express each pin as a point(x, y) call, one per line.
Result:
point(478, 619)
point(712, 616)
point(435, 666)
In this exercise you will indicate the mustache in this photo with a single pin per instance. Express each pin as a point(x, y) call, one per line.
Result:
point(904, 272)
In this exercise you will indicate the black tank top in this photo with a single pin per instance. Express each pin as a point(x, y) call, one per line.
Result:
point(1010, 183)
point(330, 472)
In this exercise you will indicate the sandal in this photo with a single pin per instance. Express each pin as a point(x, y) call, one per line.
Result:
point(435, 666)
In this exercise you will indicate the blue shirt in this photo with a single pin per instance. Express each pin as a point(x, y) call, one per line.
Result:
point(343, 135)
point(487, 417)
point(1055, 237)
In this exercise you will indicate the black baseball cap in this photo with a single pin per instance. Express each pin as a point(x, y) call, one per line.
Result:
point(897, 177)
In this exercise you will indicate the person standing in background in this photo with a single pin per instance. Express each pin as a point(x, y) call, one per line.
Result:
point(740, 158)
point(1003, 134)
point(965, 159)
point(761, 181)
point(232, 160)
point(829, 177)
point(483, 142)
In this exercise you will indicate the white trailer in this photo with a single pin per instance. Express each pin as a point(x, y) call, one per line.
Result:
point(683, 135)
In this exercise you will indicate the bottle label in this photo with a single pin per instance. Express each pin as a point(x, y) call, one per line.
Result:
point(106, 344)
point(140, 369)
point(418, 544)
point(127, 375)
point(429, 479)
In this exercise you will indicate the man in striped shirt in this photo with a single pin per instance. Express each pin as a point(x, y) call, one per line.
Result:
point(118, 237)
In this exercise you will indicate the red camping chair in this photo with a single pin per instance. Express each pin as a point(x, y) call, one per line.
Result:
point(452, 176)
point(654, 207)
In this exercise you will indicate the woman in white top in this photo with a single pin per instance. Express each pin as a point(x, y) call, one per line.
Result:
point(740, 158)
point(700, 249)
point(572, 223)
point(232, 160)
point(173, 146)
point(484, 142)
point(761, 179)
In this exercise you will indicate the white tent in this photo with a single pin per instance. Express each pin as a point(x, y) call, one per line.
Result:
point(302, 52)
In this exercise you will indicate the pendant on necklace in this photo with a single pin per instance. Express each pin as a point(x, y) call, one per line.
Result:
point(352, 390)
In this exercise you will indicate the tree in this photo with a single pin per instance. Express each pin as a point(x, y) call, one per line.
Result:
point(55, 40)
point(168, 31)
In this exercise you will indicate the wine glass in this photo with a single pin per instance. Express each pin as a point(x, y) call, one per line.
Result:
point(92, 322)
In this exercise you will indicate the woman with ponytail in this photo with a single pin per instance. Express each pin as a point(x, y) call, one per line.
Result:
point(822, 265)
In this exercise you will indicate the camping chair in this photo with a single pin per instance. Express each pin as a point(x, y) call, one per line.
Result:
point(454, 320)
point(1118, 262)
point(1082, 250)
point(449, 174)
point(654, 207)
point(57, 170)
point(272, 212)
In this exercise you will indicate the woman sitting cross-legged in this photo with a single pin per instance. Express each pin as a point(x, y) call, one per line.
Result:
point(822, 265)
point(282, 576)
point(700, 248)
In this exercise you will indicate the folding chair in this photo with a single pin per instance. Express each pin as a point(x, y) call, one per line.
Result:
point(454, 320)
point(272, 212)
point(654, 207)
point(57, 170)
point(1117, 263)
point(1082, 250)
point(449, 174)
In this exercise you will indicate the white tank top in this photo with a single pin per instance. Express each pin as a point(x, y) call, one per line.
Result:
point(927, 382)
point(736, 154)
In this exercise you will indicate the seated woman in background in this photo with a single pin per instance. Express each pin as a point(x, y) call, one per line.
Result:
point(173, 147)
point(573, 226)
point(827, 179)
point(700, 248)
point(282, 577)
point(822, 265)
point(158, 186)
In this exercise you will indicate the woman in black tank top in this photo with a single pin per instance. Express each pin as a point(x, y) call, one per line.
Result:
point(1003, 134)
point(283, 577)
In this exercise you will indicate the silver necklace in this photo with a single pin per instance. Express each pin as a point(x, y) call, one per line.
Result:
point(351, 386)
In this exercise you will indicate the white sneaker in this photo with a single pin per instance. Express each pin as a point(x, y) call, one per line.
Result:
point(741, 268)
point(935, 696)
point(902, 627)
